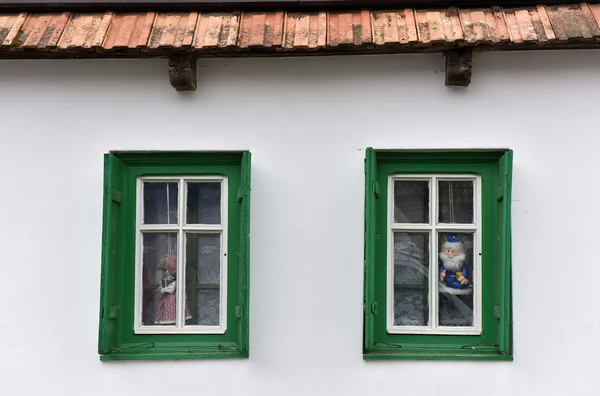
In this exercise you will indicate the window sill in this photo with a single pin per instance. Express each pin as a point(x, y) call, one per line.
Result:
point(173, 355)
point(434, 354)
point(158, 351)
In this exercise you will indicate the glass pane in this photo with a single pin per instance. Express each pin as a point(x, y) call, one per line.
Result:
point(203, 278)
point(411, 201)
point(159, 271)
point(456, 279)
point(207, 307)
point(411, 279)
point(204, 203)
point(456, 202)
point(160, 203)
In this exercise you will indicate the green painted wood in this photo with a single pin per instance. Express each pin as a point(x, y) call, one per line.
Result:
point(174, 356)
point(434, 356)
point(111, 252)
point(378, 343)
point(371, 194)
point(170, 351)
point(505, 173)
point(244, 200)
point(178, 164)
point(127, 345)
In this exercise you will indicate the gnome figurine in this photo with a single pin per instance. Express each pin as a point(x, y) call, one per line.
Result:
point(454, 275)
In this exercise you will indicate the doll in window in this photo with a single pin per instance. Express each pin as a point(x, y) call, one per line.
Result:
point(167, 307)
point(454, 274)
point(455, 284)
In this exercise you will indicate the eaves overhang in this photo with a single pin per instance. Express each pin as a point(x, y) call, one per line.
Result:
point(194, 33)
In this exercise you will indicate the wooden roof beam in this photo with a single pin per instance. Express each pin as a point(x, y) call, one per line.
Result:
point(183, 71)
point(458, 66)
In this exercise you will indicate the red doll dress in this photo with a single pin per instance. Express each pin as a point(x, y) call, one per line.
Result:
point(167, 309)
point(166, 312)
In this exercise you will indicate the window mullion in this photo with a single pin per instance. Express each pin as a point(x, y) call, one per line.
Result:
point(456, 227)
point(223, 256)
point(204, 228)
point(390, 256)
point(433, 253)
point(409, 227)
point(139, 291)
point(478, 210)
point(181, 240)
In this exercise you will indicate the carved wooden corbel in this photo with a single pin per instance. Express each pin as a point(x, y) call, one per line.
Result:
point(458, 66)
point(183, 72)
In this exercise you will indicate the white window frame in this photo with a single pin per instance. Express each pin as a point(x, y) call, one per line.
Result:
point(181, 228)
point(433, 228)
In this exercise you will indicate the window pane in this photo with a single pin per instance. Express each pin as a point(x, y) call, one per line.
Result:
point(207, 303)
point(203, 278)
point(456, 279)
point(160, 203)
point(411, 201)
point(204, 203)
point(456, 202)
point(159, 271)
point(411, 279)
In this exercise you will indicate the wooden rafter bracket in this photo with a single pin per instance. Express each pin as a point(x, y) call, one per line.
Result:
point(459, 63)
point(183, 71)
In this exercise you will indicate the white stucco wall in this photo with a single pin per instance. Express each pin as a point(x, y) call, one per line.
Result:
point(307, 122)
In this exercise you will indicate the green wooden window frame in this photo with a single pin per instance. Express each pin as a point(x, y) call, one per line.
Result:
point(117, 340)
point(495, 340)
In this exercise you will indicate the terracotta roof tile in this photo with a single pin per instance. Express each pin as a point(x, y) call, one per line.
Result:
point(261, 29)
point(484, 25)
point(438, 26)
point(574, 21)
point(85, 30)
point(129, 30)
point(173, 30)
point(596, 12)
point(149, 31)
point(42, 30)
point(217, 30)
point(349, 28)
point(305, 30)
point(394, 27)
point(529, 25)
point(9, 28)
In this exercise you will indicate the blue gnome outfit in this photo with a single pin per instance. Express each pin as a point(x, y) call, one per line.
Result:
point(451, 279)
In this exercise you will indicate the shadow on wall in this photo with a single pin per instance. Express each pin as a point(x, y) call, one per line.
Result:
point(329, 73)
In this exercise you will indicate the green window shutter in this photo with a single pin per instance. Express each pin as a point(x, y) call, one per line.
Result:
point(494, 343)
point(504, 252)
point(111, 243)
point(371, 192)
point(244, 199)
